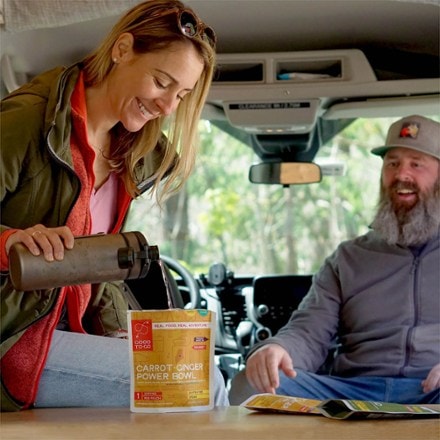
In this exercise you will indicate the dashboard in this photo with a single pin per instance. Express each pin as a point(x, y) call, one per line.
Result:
point(250, 309)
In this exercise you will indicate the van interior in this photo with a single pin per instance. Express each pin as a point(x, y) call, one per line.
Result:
point(292, 77)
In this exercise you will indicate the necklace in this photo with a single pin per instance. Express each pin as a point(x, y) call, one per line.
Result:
point(103, 151)
point(103, 148)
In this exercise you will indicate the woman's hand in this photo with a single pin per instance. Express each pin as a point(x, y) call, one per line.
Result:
point(38, 238)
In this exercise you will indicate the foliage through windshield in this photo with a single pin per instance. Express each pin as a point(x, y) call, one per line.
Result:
point(220, 216)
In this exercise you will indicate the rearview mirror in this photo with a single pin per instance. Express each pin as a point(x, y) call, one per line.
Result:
point(285, 173)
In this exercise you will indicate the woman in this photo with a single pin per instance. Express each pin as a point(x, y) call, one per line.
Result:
point(78, 144)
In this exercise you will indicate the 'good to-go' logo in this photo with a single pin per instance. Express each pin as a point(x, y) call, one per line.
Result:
point(142, 334)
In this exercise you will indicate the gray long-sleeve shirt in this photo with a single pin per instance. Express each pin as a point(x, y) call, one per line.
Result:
point(383, 303)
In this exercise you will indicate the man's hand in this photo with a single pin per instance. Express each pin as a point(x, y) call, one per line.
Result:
point(263, 365)
point(432, 381)
point(50, 241)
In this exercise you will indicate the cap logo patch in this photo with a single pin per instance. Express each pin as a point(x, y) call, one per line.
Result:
point(409, 130)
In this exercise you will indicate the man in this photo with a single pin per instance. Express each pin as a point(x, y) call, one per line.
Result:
point(377, 295)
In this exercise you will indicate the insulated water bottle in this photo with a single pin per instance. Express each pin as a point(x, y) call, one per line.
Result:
point(93, 259)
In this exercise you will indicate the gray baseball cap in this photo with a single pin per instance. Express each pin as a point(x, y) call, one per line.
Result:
point(415, 132)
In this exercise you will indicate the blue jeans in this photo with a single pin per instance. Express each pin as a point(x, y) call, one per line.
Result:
point(87, 371)
point(380, 389)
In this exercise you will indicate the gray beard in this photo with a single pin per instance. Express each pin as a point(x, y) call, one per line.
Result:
point(411, 226)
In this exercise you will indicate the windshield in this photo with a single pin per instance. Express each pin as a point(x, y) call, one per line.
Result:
point(220, 216)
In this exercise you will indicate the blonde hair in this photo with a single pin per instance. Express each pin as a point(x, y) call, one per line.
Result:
point(154, 27)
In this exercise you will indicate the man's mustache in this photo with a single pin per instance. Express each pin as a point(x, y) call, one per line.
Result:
point(401, 185)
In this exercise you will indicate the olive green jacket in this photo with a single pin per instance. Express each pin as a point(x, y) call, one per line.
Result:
point(38, 185)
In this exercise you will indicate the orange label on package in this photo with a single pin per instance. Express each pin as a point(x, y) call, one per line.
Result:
point(172, 360)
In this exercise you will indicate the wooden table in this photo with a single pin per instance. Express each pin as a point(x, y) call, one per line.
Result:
point(228, 423)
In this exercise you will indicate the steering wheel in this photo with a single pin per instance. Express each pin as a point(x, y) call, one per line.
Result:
point(188, 280)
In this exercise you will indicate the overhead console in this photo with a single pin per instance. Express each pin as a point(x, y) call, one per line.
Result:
point(285, 92)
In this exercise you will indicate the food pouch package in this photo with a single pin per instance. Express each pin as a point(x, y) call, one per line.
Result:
point(172, 360)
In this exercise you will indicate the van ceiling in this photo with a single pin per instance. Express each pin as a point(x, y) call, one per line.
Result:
point(382, 26)
point(400, 39)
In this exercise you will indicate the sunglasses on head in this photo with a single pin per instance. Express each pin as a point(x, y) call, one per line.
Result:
point(190, 26)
